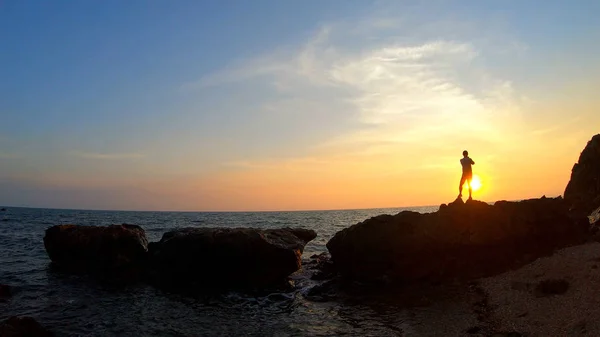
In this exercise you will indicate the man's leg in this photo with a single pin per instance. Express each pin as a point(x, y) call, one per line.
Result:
point(469, 186)
point(460, 186)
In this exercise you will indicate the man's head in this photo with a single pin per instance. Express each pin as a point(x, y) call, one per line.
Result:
point(465, 153)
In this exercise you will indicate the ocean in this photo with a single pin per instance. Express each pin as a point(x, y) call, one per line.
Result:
point(72, 305)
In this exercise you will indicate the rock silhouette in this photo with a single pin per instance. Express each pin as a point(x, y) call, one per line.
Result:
point(5, 291)
point(23, 327)
point(97, 249)
point(583, 189)
point(244, 257)
point(461, 240)
point(551, 287)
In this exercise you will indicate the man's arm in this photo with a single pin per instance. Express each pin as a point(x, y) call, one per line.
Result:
point(472, 162)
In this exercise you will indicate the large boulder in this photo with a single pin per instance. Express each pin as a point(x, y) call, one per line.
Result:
point(461, 240)
point(97, 249)
point(583, 190)
point(228, 257)
point(23, 327)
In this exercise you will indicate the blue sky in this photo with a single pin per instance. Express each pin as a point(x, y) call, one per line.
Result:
point(194, 105)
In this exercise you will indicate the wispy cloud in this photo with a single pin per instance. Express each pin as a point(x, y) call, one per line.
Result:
point(108, 156)
point(392, 91)
point(556, 127)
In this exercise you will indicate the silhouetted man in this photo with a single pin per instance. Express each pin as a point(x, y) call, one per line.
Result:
point(467, 173)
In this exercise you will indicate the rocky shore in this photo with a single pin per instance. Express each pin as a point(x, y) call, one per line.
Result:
point(461, 240)
point(214, 257)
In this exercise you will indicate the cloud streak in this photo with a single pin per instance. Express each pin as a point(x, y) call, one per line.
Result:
point(392, 91)
point(108, 156)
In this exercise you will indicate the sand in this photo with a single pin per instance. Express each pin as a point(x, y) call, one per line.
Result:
point(515, 304)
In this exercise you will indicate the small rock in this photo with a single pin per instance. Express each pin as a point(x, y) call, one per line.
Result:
point(324, 267)
point(320, 276)
point(474, 330)
point(507, 334)
point(322, 292)
point(521, 286)
point(4, 291)
point(579, 328)
point(551, 287)
point(23, 327)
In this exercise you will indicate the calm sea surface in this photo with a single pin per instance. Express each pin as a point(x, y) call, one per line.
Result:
point(77, 306)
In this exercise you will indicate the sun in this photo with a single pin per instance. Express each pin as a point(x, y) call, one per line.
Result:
point(475, 183)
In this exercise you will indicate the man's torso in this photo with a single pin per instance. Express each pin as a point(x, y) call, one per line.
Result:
point(466, 164)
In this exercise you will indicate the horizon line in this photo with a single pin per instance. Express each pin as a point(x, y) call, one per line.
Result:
point(253, 211)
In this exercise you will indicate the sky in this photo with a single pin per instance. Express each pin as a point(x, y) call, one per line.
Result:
point(291, 105)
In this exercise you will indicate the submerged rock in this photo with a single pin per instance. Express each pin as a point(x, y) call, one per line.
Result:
point(23, 327)
point(5, 291)
point(322, 267)
point(463, 241)
point(103, 249)
point(583, 189)
point(325, 292)
point(238, 257)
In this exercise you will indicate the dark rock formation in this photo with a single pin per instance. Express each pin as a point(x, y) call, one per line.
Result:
point(23, 327)
point(322, 267)
point(551, 287)
point(462, 241)
point(507, 334)
point(5, 291)
point(228, 257)
point(583, 190)
point(325, 292)
point(106, 250)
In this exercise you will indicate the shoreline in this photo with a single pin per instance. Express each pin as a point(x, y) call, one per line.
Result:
point(519, 304)
point(515, 304)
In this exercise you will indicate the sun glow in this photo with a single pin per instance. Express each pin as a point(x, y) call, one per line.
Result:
point(475, 183)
